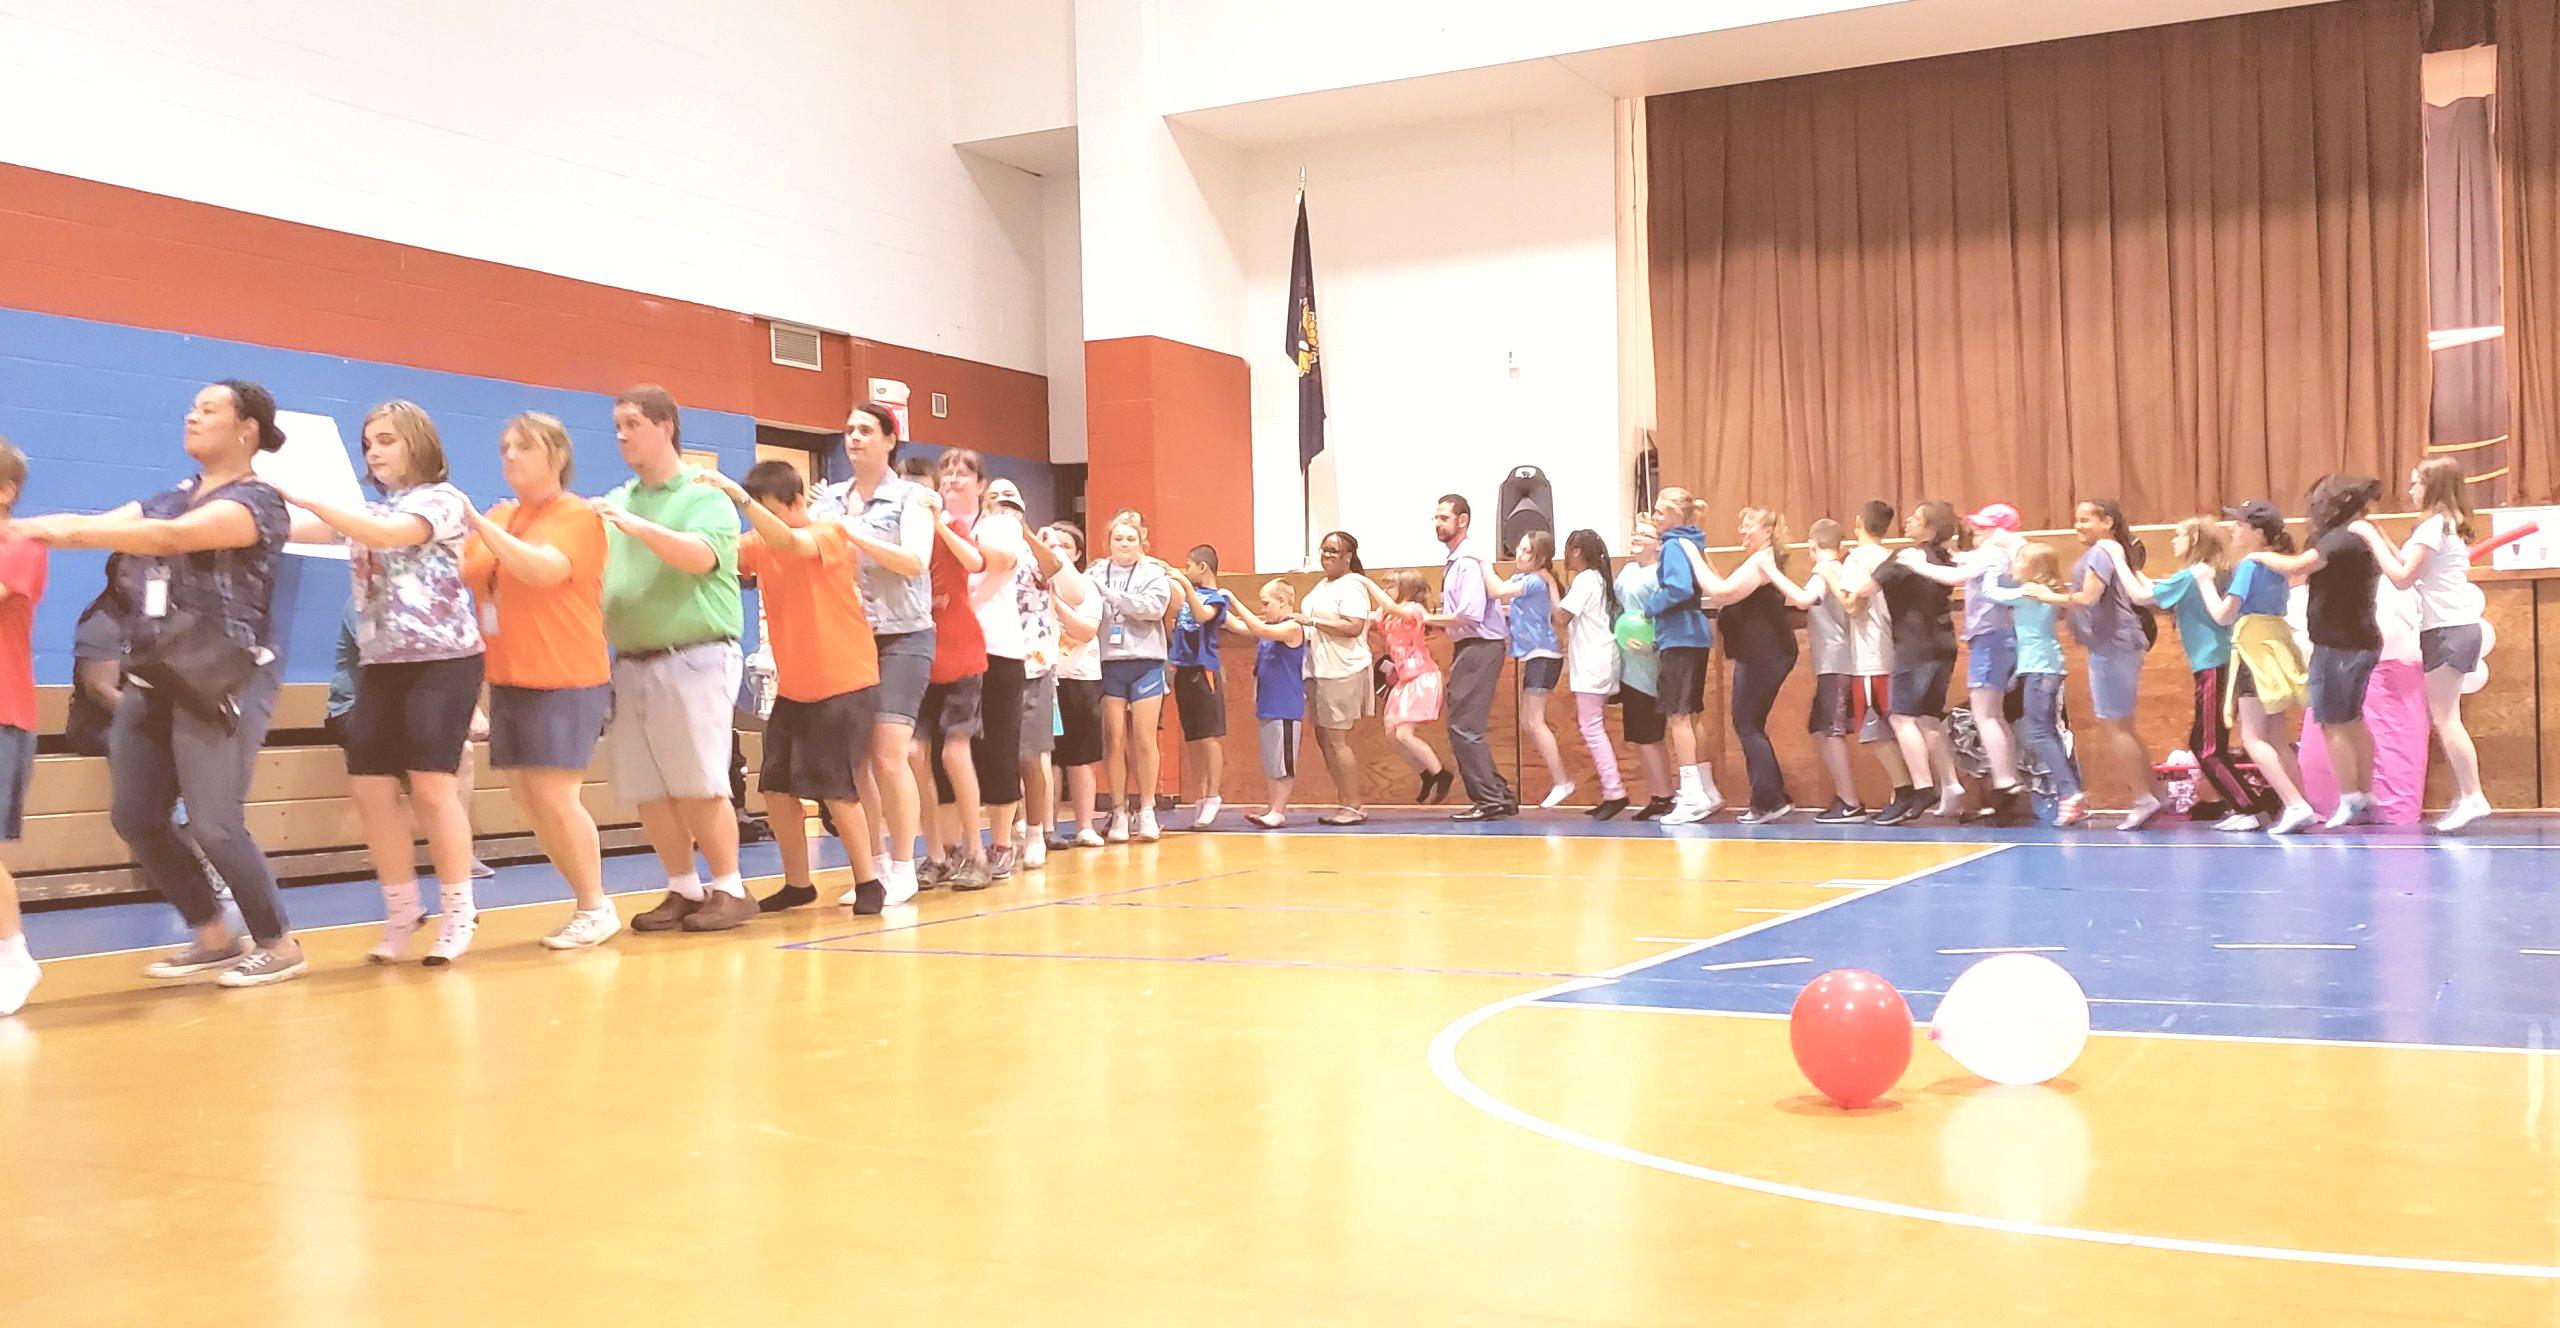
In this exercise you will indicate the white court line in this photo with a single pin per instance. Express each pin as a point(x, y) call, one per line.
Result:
point(1753, 963)
point(1641, 1008)
point(2539, 952)
point(2005, 949)
point(1443, 1059)
point(2281, 945)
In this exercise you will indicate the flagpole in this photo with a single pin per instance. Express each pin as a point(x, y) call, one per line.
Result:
point(1306, 468)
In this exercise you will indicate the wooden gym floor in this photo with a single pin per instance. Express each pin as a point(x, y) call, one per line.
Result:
point(1412, 1075)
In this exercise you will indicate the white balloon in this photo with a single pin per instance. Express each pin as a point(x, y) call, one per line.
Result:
point(2479, 677)
point(2013, 1019)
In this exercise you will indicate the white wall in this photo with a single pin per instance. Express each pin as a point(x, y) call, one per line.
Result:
point(1440, 254)
point(790, 158)
point(1221, 52)
point(1013, 67)
point(1061, 223)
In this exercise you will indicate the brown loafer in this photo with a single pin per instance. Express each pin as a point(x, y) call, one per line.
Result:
point(668, 915)
point(721, 911)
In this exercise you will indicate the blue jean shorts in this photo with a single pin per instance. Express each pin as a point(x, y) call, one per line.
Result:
point(1132, 679)
point(2115, 683)
point(534, 728)
point(17, 771)
point(1991, 661)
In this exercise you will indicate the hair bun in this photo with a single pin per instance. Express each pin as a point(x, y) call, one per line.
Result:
point(270, 437)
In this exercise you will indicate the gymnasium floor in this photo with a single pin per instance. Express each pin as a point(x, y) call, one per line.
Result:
point(1529, 1073)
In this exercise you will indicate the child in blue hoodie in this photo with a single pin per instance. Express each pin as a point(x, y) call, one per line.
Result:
point(1681, 637)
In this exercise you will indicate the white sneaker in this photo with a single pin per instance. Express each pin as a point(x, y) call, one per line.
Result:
point(1087, 838)
point(1035, 852)
point(2462, 814)
point(453, 938)
point(1119, 831)
point(2353, 809)
point(18, 976)
point(1951, 801)
point(1685, 812)
point(2297, 818)
point(2241, 823)
point(1147, 832)
point(1556, 796)
point(898, 886)
point(1209, 809)
point(2144, 808)
point(396, 931)
point(584, 929)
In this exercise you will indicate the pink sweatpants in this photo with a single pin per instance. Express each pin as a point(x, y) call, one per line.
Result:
point(1588, 708)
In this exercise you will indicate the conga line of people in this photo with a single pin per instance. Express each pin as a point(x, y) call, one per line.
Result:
point(958, 690)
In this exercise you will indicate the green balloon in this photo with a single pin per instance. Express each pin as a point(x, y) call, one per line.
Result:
point(1635, 631)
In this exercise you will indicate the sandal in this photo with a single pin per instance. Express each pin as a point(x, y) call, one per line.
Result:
point(1345, 818)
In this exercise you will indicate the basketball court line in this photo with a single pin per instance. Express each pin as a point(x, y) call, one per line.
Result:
point(1443, 1060)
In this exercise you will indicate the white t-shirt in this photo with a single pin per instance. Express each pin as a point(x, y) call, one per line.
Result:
point(1870, 624)
point(2446, 597)
point(1591, 640)
point(1080, 661)
point(999, 534)
point(1330, 656)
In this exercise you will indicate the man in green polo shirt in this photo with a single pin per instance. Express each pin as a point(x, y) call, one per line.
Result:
point(671, 614)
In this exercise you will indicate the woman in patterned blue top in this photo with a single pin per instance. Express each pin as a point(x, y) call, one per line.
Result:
point(207, 549)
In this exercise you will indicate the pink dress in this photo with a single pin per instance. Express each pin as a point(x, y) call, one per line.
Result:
point(1415, 697)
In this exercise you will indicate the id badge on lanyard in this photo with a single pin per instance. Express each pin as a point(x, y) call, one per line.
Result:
point(155, 593)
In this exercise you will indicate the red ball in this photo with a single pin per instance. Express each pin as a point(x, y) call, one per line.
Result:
point(1852, 1035)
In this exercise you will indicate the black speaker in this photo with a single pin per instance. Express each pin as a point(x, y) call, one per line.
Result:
point(1528, 503)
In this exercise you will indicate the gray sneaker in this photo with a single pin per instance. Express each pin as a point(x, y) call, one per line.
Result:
point(934, 873)
point(271, 964)
point(969, 874)
point(1002, 861)
point(194, 960)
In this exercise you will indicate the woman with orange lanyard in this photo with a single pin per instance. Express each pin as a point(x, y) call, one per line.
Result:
point(536, 567)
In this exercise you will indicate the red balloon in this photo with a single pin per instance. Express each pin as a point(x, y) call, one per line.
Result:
point(1852, 1035)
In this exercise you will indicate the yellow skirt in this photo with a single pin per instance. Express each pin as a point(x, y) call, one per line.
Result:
point(2264, 644)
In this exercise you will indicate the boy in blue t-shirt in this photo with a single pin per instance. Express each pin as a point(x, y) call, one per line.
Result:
point(1200, 610)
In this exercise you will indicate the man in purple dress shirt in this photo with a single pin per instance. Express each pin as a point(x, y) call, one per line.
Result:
point(1478, 630)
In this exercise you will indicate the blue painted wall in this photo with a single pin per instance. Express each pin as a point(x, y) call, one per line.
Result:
point(97, 407)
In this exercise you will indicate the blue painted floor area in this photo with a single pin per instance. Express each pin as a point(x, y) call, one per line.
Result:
point(70, 932)
point(2439, 931)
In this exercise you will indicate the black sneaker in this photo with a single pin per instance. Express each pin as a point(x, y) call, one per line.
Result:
point(869, 897)
point(1840, 813)
point(1907, 808)
point(789, 896)
point(1654, 810)
point(1436, 790)
point(1609, 809)
point(1756, 816)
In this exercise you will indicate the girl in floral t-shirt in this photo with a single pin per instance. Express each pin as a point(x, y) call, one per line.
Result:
point(419, 650)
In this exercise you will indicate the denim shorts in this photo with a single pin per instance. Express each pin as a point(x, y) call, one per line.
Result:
point(1991, 661)
point(2338, 682)
point(536, 728)
point(2456, 648)
point(2115, 683)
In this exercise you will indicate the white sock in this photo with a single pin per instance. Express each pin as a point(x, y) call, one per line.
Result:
point(1691, 789)
point(14, 947)
point(1707, 781)
point(456, 899)
point(731, 884)
point(904, 872)
point(689, 885)
point(400, 904)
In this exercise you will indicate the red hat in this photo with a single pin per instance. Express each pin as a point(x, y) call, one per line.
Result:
point(1995, 516)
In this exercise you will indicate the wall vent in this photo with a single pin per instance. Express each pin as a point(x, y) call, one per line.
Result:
point(795, 347)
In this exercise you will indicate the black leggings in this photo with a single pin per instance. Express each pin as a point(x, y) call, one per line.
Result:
point(1755, 690)
point(997, 749)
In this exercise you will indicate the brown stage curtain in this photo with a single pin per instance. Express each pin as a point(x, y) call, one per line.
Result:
point(2179, 266)
point(2529, 178)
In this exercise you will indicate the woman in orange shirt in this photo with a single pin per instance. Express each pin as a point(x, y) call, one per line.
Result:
point(536, 567)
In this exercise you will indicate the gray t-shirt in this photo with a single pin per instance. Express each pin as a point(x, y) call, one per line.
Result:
point(895, 604)
point(1826, 625)
point(2108, 627)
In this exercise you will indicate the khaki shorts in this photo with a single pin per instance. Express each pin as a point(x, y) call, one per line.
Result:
point(1339, 703)
point(672, 721)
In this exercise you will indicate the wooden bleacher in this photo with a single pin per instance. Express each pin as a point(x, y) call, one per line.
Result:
point(298, 809)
